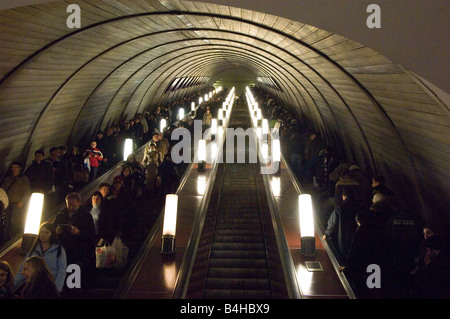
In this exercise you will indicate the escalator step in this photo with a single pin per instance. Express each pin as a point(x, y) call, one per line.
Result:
point(241, 254)
point(237, 284)
point(237, 263)
point(237, 294)
point(238, 273)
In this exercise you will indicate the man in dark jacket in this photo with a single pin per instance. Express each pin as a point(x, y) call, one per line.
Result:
point(368, 247)
point(40, 174)
point(341, 224)
point(76, 231)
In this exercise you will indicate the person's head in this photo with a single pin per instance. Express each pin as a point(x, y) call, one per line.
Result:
point(131, 158)
point(109, 131)
point(62, 150)
point(428, 231)
point(39, 156)
point(117, 183)
point(126, 171)
point(155, 137)
point(16, 168)
point(96, 199)
point(55, 152)
point(47, 233)
point(103, 188)
point(99, 134)
point(73, 202)
point(75, 150)
point(378, 180)
point(93, 144)
point(34, 267)
point(6, 275)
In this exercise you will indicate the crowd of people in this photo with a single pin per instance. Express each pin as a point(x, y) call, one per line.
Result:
point(71, 237)
point(363, 220)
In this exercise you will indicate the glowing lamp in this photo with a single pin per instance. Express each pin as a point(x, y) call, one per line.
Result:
point(181, 113)
point(163, 125)
point(308, 244)
point(200, 100)
point(265, 126)
point(258, 114)
point(214, 126)
point(206, 97)
point(201, 155)
point(193, 106)
point(276, 150)
point(128, 148)
point(169, 224)
point(220, 114)
point(33, 221)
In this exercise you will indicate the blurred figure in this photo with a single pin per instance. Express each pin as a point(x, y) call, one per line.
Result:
point(6, 281)
point(39, 283)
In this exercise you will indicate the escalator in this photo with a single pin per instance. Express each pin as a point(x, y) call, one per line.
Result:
point(237, 256)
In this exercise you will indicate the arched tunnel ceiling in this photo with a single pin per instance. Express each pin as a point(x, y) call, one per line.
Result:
point(59, 85)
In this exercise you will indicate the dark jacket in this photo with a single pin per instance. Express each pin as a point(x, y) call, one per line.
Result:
point(342, 224)
point(42, 288)
point(79, 248)
point(41, 177)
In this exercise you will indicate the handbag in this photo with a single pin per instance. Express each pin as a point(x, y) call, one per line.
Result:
point(105, 256)
point(81, 176)
point(121, 252)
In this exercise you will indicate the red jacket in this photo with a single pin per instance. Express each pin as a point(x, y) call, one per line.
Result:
point(95, 156)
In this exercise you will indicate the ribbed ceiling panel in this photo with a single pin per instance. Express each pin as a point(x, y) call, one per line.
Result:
point(59, 85)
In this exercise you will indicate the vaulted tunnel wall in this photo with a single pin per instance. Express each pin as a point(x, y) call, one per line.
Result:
point(58, 85)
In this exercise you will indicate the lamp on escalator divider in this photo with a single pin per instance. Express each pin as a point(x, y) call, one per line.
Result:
point(163, 125)
point(193, 106)
point(307, 238)
point(201, 155)
point(128, 148)
point(169, 224)
point(181, 114)
point(33, 221)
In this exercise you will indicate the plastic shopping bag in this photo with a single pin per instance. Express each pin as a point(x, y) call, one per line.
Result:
point(106, 256)
point(121, 252)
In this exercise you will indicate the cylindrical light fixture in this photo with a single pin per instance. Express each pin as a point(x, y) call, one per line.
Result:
point(180, 114)
point(34, 215)
point(306, 219)
point(213, 126)
point(276, 150)
point(163, 125)
point(128, 148)
point(200, 100)
point(201, 155)
point(33, 221)
point(265, 127)
point(169, 224)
